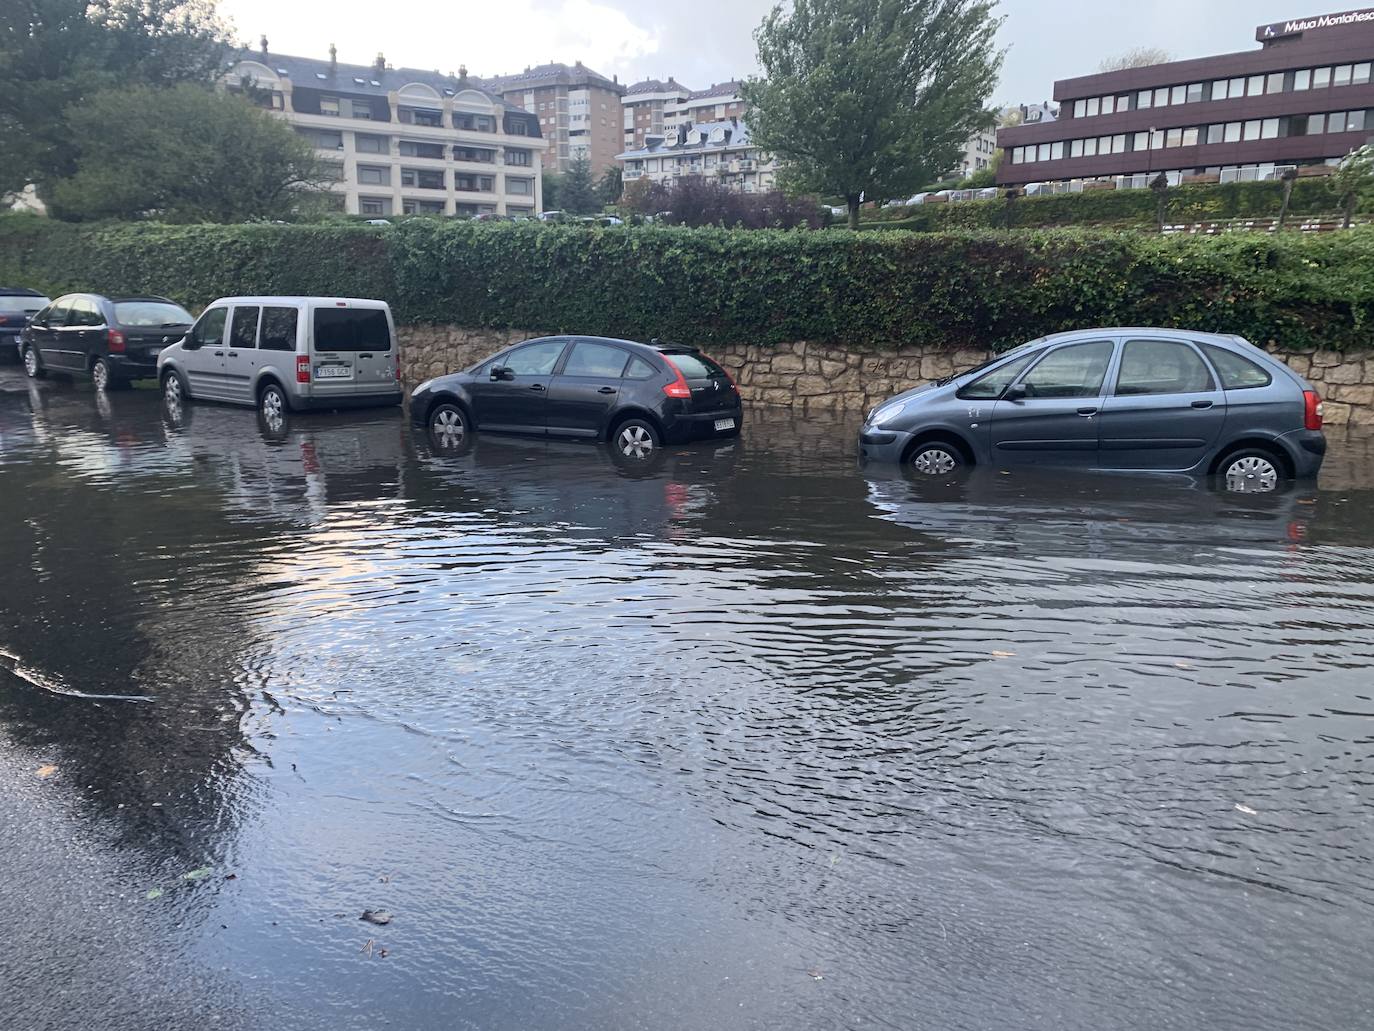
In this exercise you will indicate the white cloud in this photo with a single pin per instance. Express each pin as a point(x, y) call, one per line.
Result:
point(489, 38)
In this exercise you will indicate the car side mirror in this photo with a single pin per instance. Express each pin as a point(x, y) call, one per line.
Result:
point(1016, 393)
point(502, 372)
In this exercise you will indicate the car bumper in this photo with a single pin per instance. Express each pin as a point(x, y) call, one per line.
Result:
point(702, 425)
point(880, 445)
point(133, 368)
point(320, 404)
point(1307, 449)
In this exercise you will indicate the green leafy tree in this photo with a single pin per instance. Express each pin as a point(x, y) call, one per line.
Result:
point(1353, 181)
point(872, 97)
point(551, 191)
point(183, 154)
point(578, 191)
point(56, 53)
point(610, 186)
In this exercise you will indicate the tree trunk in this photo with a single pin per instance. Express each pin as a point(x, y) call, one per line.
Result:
point(853, 202)
point(1349, 207)
point(1287, 196)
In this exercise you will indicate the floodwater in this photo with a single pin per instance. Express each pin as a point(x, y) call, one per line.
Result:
point(747, 738)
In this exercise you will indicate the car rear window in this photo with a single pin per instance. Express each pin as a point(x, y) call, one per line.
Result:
point(351, 329)
point(1236, 371)
point(158, 314)
point(10, 305)
point(694, 364)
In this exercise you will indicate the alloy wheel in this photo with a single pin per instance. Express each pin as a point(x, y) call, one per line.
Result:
point(448, 426)
point(934, 461)
point(1251, 473)
point(635, 442)
point(272, 408)
point(31, 361)
point(100, 373)
point(171, 389)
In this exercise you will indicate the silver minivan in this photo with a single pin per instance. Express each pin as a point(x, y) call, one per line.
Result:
point(286, 353)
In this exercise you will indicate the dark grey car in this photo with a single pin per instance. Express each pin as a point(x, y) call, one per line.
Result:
point(1118, 399)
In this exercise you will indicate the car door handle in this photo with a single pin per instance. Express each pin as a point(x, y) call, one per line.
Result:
point(1202, 404)
point(233, 354)
point(606, 390)
point(219, 354)
point(1087, 411)
point(536, 386)
point(364, 356)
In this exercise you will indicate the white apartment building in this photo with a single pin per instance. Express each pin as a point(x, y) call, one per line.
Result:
point(720, 150)
point(978, 152)
point(403, 141)
point(717, 103)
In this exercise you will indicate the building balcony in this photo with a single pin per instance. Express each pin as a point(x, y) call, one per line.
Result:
point(632, 173)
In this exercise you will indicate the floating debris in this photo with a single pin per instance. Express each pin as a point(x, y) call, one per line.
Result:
point(380, 917)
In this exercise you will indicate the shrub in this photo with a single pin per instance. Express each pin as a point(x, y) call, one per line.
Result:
point(877, 290)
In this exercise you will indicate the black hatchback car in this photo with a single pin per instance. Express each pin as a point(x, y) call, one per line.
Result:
point(112, 340)
point(17, 306)
point(636, 396)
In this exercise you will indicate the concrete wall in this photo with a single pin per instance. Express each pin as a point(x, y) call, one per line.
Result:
point(813, 377)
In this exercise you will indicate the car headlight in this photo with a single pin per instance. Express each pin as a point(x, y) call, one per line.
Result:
point(422, 387)
point(883, 415)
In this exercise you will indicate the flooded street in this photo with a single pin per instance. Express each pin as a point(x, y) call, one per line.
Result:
point(744, 738)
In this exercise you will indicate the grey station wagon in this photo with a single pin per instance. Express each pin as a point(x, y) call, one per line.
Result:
point(1118, 399)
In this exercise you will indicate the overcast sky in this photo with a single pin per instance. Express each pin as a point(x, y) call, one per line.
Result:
point(708, 41)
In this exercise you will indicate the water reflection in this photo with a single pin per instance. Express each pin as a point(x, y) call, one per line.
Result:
point(739, 736)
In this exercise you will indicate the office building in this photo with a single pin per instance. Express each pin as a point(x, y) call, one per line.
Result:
point(577, 109)
point(1303, 97)
point(399, 140)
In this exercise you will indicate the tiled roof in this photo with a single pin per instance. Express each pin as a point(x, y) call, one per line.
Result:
point(717, 89)
point(657, 86)
point(359, 78)
point(738, 137)
point(551, 75)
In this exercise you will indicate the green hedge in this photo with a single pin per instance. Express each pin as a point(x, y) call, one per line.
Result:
point(876, 290)
point(1112, 208)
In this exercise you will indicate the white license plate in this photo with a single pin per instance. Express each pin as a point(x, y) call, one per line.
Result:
point(725, 424)
point(333, 371)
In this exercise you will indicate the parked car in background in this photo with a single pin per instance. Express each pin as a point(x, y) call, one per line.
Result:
point(637, 396)
point(286, 353)
point(112, 340)
point(17, 306)
point(1119, 399)
point(553, 216)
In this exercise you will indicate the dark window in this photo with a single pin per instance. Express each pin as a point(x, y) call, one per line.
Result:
point(534, 360)
point(58, 314)
point(1236, 371)
point(351, 329)
point(21, 304)
point(640, 369)
point(85, 313)
point(1076, 370)
point(150, 314)
point(278, 329)
point(243, 328)
point(600, 360)
point(990, 385)
point(1161, 367)
point(695, 365)
point(370, 144)
point(210, 329)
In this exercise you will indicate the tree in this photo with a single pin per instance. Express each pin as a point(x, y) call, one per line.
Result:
point(1288, 177)
point(1160, 185)
point(610, 186)
point(551, 191)
point(1137, 57)
point(871, 97)
point(578, 193)
point(56, 53)
point(183, 154)
point(1353, 181)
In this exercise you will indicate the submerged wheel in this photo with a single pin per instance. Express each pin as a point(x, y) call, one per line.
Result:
point(448, 426)
point(1251, 472)
point(636, 438)
point(173, 391)
point(936, 459)
point(272, 406)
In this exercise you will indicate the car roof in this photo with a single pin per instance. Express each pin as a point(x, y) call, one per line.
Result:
point(1155, 331)
point(360, 302)
point(145, 297)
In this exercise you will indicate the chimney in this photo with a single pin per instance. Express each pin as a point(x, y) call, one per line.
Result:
point(333, 61)
point(462, 75)
point(379, 65)
point(262, 45)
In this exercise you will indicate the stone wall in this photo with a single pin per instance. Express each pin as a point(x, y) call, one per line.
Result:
point(815, 377)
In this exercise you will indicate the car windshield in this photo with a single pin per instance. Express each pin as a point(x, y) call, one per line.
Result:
point(983, 365)
point(151, 313)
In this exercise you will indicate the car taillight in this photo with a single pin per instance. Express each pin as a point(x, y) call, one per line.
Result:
point(1312, 410)
point(114, 341)
point(679, 387)
point(302, 368)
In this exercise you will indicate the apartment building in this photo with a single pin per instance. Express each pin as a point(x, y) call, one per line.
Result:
point(717, 103)
point(403, 141)
point(722, 151)
point(1304, 97)
point(978, 152)
point(578, 111)
point(643, 108)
